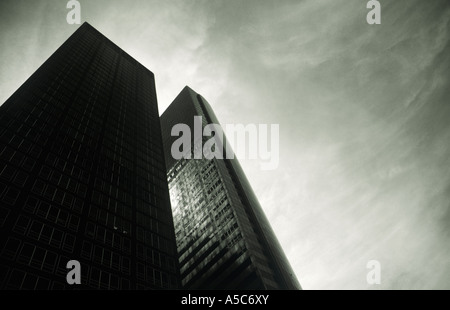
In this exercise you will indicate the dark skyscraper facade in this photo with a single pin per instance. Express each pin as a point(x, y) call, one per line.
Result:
point(223, 238)
point(82, 174)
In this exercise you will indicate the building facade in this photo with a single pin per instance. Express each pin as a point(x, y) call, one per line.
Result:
point(223, 238)
point(82, 174)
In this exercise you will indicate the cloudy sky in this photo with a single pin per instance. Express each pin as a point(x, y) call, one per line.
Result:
point(364, 114)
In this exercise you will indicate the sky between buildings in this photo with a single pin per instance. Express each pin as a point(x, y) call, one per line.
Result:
point(364, 114)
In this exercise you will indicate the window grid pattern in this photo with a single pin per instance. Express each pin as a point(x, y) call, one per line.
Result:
point(205, 224)
point(82, 174)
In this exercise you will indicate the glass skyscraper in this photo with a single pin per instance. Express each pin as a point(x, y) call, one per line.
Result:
point(82, 174)
point(223, 238)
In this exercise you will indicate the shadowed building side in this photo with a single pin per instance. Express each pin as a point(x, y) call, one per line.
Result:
point(82, 174)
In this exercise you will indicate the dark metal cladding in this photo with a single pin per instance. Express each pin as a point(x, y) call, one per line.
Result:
point(82, 174)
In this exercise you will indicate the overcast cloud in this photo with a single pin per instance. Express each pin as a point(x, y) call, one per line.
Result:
point(364, 114)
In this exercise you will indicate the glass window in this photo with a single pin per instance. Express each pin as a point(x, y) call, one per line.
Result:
point(11, 195)
point(74, 222)
point(50, 261)
point(117, 241)
point(125, 265)
point(77, 205)
point(28, 164)
point(62, 218)
point(109, 238)
point(11, 248)
point(69, 243)
point(42, 284)
point(102, 217)
point(125, 284)
point(17, 159)
point(29, 282)
point(57, 238)
point(68, 200)
point(114, 282)
point(58, 285)
point(126, 245)
point(140, 271)
point(4, 212)
point(50, 160)
point(20, 178)
point(53, 213)
point(100, 236)
point(115, 262)
point(26, 253)
point(104, 280)
point(98, 252)
point(58, 195)
point(46, 234)
point(38, 258)
point(94, 277)
point(43, 209)
point(86, 250)
point(106, 257)
point(35, 229)
point(16, 279)
point(49, 192)
point(90, 229)
point(22, 224)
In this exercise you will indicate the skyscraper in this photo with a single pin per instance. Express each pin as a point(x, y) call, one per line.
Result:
point(223, 238)
point(82, 174)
